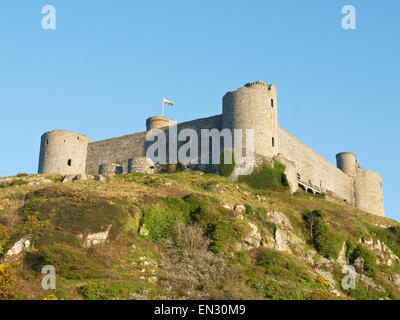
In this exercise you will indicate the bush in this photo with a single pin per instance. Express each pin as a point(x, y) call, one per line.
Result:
point(281, 264)
point(180, 167)
point(7, 279)
point(195, 273)
point(224, 234)
point(327, 243)
point(161, 218)
point(267, 177)
point(226, 169)
point(369, 260)
point(284, 277)
point(72, 263)
point(202, 212)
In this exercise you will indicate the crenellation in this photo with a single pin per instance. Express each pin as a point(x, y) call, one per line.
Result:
point(253, 106)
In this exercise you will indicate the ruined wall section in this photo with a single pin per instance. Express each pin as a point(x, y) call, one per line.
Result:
point(315, 169)
point(115, 150)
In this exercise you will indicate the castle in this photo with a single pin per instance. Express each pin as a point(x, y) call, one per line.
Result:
point(253, 106)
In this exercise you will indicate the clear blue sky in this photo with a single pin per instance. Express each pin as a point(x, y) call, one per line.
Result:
point(108, 64)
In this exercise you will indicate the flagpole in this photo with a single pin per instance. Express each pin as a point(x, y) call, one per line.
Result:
point(162, 107)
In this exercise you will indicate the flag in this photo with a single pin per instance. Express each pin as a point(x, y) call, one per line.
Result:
point(170, 103)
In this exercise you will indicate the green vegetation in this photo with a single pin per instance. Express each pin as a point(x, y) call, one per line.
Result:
point(121, 290)
point(226, 169)
point(72, 263)
point(326, 242)
point(280, 276)
point(7, 279)
point(267, 177)
point(190, 243)
point(369, 264)
point(16, 182)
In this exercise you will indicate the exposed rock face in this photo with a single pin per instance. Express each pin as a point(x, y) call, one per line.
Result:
point(342, 255)
point(384, 254)
point(252, 239)
point(240, 208)
point(284, 236)
point(96, 238)
point(283, 240)
point(143, 231)
point(280, 219)
point(17, 248)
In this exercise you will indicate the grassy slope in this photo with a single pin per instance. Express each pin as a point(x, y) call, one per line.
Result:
point(129, 266)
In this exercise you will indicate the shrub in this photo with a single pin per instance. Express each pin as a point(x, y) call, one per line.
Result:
point(3, 232)
point(7, 279)
point(326, 242)
point(202, 212)
point(284, 277)
point(180, 167)
point(72, 263)
point(224, 234)
point(267, 177)
point(281, 264)
point(226, 169)
point(195, 273)
point(161, 218)
point(369, 260)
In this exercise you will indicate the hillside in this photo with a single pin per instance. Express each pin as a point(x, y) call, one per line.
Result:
point(187, 235)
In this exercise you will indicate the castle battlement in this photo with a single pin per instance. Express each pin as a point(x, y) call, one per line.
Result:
point(253, 106)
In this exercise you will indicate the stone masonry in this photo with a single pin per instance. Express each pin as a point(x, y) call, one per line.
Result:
point(253, 106)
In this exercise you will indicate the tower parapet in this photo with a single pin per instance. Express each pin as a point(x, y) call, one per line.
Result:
point(347, 162)
point(158, 122)
point(63, 152)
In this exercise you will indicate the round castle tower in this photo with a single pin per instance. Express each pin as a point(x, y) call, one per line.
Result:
point(158, 122)
point(368, 193)
point(253, 106)
point(63, 152)
point(346, 161)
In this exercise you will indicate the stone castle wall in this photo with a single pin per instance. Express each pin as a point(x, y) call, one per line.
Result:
point(115, 150)
point(315, 170)
point(253, 106)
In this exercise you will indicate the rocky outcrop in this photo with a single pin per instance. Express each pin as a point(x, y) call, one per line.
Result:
point(382, 252)
point(96, 238)
point(251, 240)
point(17, 248)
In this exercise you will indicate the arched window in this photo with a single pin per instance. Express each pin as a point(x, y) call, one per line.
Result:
point(273, 141)
point(69, 162)
point(272, 103)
